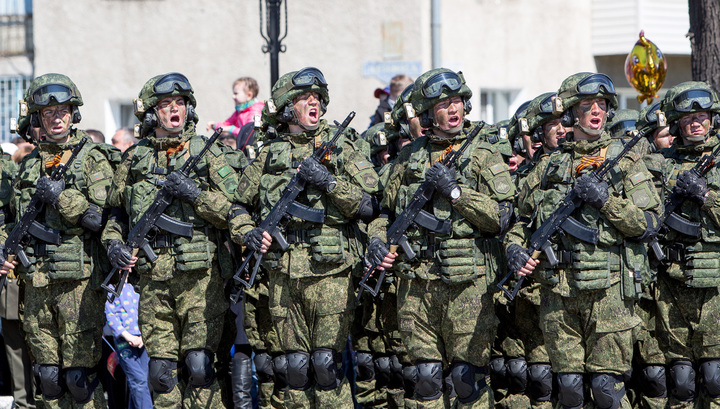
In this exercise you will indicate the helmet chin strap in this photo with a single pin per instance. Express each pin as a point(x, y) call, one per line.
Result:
point(696, 138)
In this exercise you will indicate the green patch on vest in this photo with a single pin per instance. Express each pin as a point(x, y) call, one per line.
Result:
point(224, 171)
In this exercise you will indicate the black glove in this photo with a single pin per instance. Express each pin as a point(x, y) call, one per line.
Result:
point(91, 219)
point(315, 173)
point(591, 191)
point(182, 187)
point(517, 257)
point(691, 185)
point(376, 252)
point(444, 179)
point(253, 239)
point(49, 190)
point(118, 253)
point(506, 212)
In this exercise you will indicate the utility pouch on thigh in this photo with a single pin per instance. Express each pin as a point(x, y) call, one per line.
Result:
point(591, 266)
point(270, 261)
point(66, 260)
point(328, 245)
point(460, 260)
point(195, 255)
point(702, 265)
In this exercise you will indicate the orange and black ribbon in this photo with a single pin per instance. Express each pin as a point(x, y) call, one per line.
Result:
point(589, 162)
point(175, 149)
point(54, 161)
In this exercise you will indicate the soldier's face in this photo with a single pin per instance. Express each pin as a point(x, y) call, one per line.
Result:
point(695, 126)
point(56, 120)
point(307, 109)
point(663, 138)
point(171, 112)
point(592, 114)
point(449, 113)
point(554, 132)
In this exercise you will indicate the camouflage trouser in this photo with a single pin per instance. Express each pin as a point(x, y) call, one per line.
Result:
point(688, 329)
point(375, 331)
point(261, 332)
point(310, 313)
point(178, 315)
point(64, 323)
point(447, 323)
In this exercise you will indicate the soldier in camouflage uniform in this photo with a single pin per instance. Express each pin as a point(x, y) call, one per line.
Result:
point(181, 292)
point(445, 308)
point(587, 310)
point(657, 135)
point(622, 123)
point(310, 284)
point(688, 302)
point(63, 308)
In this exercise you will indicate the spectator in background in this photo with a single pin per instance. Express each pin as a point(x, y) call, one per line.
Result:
point(245, 92)
point(96, 135)
point(388, 96)
point(228, 139)
point(124, 138)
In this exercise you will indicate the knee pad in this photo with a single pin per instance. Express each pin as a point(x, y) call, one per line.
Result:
point(570, 390)
point(263, 367)
point(79, 385)
point(365, 368)
point(603, 390)
point(429, 380)
point(396, 373)
point(517, 375)
point(654, 384)
point(160, 375)
point(279, 368)
point(50, 385)
point(682, 381)
point(710, 371)
point(298, 367)
point(199, 364)
point(410, 379)
point(325, 365)
point(382, 369)
point(540, 382)
point(498, 373)
point(463, 378)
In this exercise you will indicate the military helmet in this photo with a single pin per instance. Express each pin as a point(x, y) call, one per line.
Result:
point(379, 137)
point(294, 84)
point(648, 118)
point(517, 124)
point(162, 86)
point(51, 89)
point(622, 122)
point(689, 97)
point(436, 85)
point(400, 111)
point(585, 85)
point(500, 132)
point(540, 111)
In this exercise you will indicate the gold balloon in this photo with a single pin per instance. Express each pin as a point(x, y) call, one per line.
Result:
point(645, 68)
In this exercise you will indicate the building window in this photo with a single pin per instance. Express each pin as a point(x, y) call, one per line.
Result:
point(495, 104)
point(12, 89)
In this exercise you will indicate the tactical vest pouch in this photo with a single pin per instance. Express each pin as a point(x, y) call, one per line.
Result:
point(460, 260)
point(328, 245)
point(702, 265)
point(591, 265)
point(196, 255)
point(270, 261)
point(636, 272)
point(66, 260)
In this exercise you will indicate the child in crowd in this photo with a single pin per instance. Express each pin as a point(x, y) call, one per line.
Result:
point(245, 91)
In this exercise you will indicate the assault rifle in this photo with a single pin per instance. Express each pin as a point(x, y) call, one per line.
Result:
point(287, 206)
point(28, 225)
point(674, 220)
point(414, 214)
point(154, 218)
point(561, 220)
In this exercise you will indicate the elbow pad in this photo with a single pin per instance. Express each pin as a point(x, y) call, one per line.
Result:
point(369, 208)
point(506, 211)
point(92, 218)
point(236, 210)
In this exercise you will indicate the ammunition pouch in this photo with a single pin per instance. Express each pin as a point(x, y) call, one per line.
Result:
point(696, 265)
point(460, 260)
point(328, 245)
point(66, 260)
point(196, 254)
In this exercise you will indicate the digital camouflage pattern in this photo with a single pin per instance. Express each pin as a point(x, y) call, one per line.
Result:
point(422, 104)
point(569, 95)
point(52, 78)
point(667, 105)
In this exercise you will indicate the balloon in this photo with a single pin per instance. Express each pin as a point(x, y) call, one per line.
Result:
point(645, 68)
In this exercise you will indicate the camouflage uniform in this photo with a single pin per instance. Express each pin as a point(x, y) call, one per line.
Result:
point(64, 311)
point(181, 293)
point(688, 302)
point(445, 308)
point(311, 292)
point(587, 311)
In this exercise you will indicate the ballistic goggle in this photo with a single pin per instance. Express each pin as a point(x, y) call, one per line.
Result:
point(623, 127)
point(546, 106)
point(309, 76)
point(434, 85)
point(594, 84)
point(59, 92)
point(169, 82)
point(691, 99)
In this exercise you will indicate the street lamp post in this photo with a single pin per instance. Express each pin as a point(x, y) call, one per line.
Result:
point(271, 34)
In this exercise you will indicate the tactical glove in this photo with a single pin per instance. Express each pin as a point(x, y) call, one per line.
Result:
point(182, 187)
point(591, 191)
point(376, 252)
point(691, 185)
point(253, 239)
point(91, 219)
point(119, 254)
point(517, 257)
point(444, 180)
point(315, 173)
point(49, 190)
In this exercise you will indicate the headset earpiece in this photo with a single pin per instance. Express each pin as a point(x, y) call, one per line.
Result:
point(190, 114)
point(467, 105)
point(674, 128)
point(35, 120)
point(716, 121)
point(425, 120)
point(76, 117)
point(568, 118)
point(149, 123)
point(286, 115)
point(538, 135)
point(610, 114)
